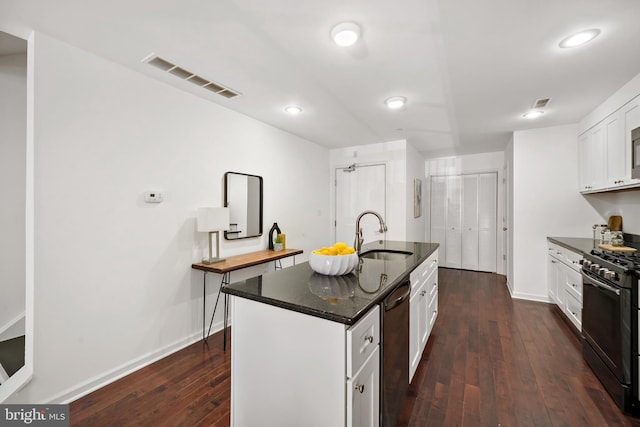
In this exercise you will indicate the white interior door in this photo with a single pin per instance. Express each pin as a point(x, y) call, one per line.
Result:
point(359, 189)
point(463, 213)
point(469, 222)
point(453, 235)
point(487, 222)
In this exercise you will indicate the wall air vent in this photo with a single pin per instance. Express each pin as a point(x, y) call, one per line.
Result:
point(540, 103)
point(181, 73)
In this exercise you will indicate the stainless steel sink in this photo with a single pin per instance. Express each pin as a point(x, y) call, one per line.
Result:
point(386, 254)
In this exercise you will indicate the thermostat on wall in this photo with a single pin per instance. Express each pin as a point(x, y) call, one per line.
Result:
point(153, 197)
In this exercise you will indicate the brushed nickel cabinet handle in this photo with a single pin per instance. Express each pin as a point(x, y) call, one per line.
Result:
point(360, 388)
point(368, 338)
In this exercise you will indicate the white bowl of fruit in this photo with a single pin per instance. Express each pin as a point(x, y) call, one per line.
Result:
point(336, 260)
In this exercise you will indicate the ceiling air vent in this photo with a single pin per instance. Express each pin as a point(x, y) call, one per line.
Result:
point(540, 103)
point(183, 74)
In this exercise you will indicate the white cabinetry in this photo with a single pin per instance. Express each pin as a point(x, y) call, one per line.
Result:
point(423, 309)
point(631, 118)
point(324, 373)
point(363, 394)
point(592, 159)
point(565, 282)
point(464, 220)
point(614, 142)
point(605, 151)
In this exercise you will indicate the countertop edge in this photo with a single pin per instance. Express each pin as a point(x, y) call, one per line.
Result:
point(562, 241)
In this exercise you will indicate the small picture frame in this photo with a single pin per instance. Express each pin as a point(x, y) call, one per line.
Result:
point(417, 198)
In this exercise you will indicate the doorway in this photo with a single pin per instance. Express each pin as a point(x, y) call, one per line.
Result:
point(359, 188)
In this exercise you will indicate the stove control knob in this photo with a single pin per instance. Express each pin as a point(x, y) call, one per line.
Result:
point(610, 275)
point(586, 263)
point(602, 271)
point(594, 267)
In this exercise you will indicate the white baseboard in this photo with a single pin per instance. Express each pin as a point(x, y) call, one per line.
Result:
point(531, 297)
point(99, 381)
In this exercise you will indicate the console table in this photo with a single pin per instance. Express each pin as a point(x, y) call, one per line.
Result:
point(225, 268)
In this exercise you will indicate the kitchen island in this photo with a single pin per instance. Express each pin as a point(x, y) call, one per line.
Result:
point(305, 346)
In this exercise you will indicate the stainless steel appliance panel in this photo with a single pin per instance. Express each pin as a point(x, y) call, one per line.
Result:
point(635, 153)
point(395, 352)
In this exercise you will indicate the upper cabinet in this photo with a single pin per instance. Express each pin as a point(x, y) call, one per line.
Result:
point(605, 151)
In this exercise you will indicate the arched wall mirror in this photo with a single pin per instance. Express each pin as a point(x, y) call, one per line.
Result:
point(243, 197)
point(16, 216)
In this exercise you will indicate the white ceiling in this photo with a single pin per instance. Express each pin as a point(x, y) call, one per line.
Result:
point(469, 68)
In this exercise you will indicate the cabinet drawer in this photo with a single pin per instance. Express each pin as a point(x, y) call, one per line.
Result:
point(430, 264)
point(432, 312)
point(432, 284)
point(573, 283)
point(573, 310)
point(422, 273)
point(362, 340)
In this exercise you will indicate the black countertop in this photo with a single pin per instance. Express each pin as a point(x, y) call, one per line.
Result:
point(576, 244)
point(342, 299)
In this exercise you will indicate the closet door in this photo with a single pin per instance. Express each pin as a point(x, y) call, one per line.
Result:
point(487, 221)
point(438, 214)
point(470, 222)
point(453, 237)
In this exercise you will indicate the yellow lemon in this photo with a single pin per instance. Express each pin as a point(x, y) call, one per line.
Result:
point(332, 251)
point(340, 246)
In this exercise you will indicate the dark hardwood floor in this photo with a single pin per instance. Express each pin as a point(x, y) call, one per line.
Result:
point(491, 361)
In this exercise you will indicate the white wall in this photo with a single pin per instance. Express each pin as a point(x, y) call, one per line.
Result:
point(13, 113)
point(546, 202)
point(393, 154)
point(114, 286)
point(469, 164)
point(508, 212)
point(415, 170)
point(624, 203)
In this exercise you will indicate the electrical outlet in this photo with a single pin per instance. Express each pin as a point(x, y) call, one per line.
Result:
point(153, 197)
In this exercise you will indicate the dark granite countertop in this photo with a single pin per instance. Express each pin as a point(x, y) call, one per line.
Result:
point(342, 299)
point(576, 244)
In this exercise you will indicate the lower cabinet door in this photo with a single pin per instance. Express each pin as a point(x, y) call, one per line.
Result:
point(418, 325)
point(363, 394)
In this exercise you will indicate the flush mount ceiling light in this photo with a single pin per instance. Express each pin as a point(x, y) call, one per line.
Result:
point(580, 38)
point(293, 110)
point(345, 34)
point(533, 114)
point(396, 102)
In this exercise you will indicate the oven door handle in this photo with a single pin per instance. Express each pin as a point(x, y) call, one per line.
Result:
point(599, 284)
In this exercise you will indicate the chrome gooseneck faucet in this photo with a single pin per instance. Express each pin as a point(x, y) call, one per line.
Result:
point(358, 241)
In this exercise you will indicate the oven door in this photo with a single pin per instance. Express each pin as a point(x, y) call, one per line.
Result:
point(606, 318)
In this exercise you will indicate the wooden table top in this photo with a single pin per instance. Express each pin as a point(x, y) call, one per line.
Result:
point(246, 260)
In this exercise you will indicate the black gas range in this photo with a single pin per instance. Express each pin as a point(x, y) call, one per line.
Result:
point(610, 321)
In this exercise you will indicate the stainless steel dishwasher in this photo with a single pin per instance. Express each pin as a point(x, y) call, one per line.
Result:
point(394, 372)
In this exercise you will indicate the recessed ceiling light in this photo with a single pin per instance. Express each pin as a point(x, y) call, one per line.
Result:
point(345, 34)
point(533, 114)
point(580, 38)
point(293, 110)
point(396, 102)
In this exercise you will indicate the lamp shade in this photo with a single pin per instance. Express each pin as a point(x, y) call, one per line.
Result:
point(213, 219)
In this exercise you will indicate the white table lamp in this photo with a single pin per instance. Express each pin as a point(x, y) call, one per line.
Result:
point(213, 220)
